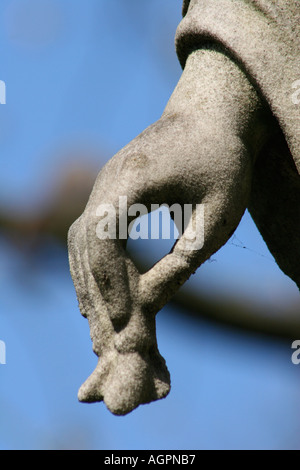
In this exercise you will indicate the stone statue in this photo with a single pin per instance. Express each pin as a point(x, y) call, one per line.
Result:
point(229, 139)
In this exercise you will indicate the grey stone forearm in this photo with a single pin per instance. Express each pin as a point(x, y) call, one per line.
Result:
point(201, 151)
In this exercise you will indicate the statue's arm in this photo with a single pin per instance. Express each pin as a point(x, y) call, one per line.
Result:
point(201, 151)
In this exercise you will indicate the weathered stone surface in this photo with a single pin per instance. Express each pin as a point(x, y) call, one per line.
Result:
point(217, 143)
point(263, 37)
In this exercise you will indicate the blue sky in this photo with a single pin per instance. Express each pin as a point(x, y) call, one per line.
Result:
point(87, 77)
